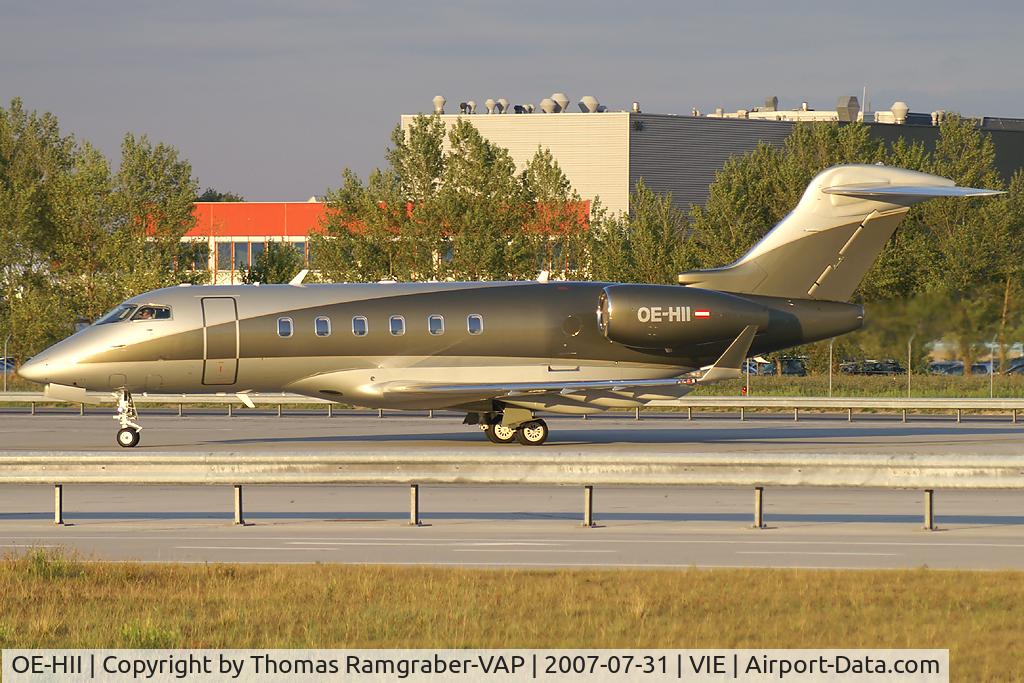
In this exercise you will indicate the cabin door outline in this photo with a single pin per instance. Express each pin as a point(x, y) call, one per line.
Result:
point(220, 340)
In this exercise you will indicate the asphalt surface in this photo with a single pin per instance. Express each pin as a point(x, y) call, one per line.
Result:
point(522, 526)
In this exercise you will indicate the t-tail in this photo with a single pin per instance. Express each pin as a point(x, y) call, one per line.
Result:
point(823, 248)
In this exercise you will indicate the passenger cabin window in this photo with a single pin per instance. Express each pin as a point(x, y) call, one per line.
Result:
point(322, 326)
point(435, 324)
point(397, 325)
point(359, 326)
point(152, 313)
point(284, 327)
point(475, 323)
point(122, 312)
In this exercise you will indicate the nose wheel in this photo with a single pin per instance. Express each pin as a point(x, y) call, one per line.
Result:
point(128, 435)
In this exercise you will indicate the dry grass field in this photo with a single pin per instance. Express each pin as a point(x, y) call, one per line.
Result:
point(49, 600)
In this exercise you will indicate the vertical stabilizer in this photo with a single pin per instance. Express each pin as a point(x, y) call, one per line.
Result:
point(823, 248)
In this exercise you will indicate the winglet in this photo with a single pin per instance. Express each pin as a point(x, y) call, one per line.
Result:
point(729, 364)
point(297, 280)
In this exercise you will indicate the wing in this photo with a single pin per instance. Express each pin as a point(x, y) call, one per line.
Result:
point(597, 394)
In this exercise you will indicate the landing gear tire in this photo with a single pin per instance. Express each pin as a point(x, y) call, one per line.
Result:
point(497, 433)
point(532, 433)
point(128, 437)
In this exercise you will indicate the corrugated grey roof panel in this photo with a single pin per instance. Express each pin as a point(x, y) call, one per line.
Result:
point(1009, 144)
point(681, 154)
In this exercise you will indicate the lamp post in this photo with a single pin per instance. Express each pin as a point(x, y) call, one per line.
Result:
point(992, 366)
point(910, 360)
point(830, 343)
point(6, 362)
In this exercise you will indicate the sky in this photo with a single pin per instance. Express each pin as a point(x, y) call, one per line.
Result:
point(273, 100)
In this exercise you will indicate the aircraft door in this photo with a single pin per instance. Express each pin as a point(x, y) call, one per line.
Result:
point(220, 340)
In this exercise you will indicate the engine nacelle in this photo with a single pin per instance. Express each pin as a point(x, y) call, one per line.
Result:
point(670, 316)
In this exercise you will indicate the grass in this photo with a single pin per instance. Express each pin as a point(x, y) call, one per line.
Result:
point(48, 600)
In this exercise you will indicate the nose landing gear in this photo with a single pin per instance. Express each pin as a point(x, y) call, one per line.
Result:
point(129, 434)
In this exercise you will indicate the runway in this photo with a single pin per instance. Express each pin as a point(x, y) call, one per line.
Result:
point(522, 526)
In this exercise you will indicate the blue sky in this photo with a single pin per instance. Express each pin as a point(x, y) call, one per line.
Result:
point(274, 99)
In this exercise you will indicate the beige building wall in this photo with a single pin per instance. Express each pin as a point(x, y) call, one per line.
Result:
point(591, 148)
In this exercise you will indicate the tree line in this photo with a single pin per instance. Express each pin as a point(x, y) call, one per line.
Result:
point(79, 237)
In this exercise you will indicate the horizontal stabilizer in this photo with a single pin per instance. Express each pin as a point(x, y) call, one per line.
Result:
point(928, 191)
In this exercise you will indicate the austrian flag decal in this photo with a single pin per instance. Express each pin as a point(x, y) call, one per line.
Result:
point(699, 313)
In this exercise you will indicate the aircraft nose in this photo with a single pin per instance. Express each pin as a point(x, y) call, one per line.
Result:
point(34, 370)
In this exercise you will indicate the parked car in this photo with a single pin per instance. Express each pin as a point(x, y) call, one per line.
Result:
point(872, 367)
point(946, 367)
point(981, 368)
point(7, 365)
point(792, 365)
point(1015, 367)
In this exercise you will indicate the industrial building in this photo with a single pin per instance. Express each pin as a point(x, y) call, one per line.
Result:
point(603, 153)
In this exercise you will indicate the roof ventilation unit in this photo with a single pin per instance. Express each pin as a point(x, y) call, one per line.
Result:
point(471, 107)
point(561, 99)
point(636, 107)
point(438, 104)
point(848, 108)
point(899, 111)
point(589, 104)
point(489, 104)
point(529, 109)
point(502, 105)
point(548, 105)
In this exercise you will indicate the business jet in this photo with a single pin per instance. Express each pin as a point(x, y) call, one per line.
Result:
point(501, 352)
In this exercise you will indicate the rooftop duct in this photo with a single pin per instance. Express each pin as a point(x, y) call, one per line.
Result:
point(561, 99)
point(900, 111)
point(848, 108)
point(471, 107)
point(589, 103)
point(771, 103)
point(548, 105)
point(636, 107)
point(502, 105)
point(489, 104)
point(438, 104)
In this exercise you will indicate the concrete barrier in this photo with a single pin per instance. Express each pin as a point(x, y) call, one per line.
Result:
point(925, 472)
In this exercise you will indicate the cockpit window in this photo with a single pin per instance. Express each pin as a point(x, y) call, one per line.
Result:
point(122, 312)
point(152, 313)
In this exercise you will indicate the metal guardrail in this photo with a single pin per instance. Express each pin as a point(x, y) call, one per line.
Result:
point(737, 403)
point(565, 467)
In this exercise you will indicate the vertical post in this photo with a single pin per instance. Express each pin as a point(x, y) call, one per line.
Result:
point(910, 362)
point(742, 415)
point(279, 410)
point(1014, 411)
point(759, 507)
point(689, 412)
point(58, 504)
point(796, 414)
point(33, 408)
point(904, 414)
point(929, 510)
point(636, 415)
point(330, 410)
point(430, 414)
point(849, 414)
point(81, 409)
point(239, 519)
point(414, 505)
point(588, 506)
point(380, 412)
point(584, 416)
point(958, 416)
point(180, 409)
point(830, 343)
point(230, 412)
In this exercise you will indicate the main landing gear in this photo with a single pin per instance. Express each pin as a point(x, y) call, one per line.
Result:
point(129, 434)
point(532, 433)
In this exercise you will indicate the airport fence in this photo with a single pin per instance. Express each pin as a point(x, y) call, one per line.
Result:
point(741, 405)
point(563, 467)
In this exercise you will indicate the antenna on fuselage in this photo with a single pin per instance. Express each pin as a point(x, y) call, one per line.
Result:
point(297, 280)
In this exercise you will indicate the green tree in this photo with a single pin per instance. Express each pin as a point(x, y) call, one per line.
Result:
point(278, 264)
point(212, 195)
